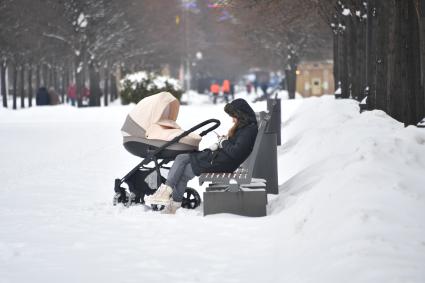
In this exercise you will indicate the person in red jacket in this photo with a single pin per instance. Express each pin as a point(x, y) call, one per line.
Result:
point(215, 90)
point(226, 90)
point(72, 93)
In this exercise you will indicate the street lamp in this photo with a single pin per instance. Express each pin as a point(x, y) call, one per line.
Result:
point(199, 55)
point(189, 65)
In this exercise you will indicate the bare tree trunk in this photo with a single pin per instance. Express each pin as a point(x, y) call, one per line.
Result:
point(37, 77)
point(402, 49)
point(345, 88)
point(291, 72)
point(30, 90)
point(3, 83)
point(53, 78)
point(22, 85)
point(363, 55)
point(45, 75)
point(95, 91)
point(114, 90)
point(79, 79)
point(64, 82)
point(291, 81)
point(382, 42)
point(393, 84)
point(358, 42)
point(371, 54)
point(356, 58)
point(413, 54)
point(55, 82)
point(15, 83)
point(336, 58)
point(345, 59)
point(68, 79)
point(106, 84)
point(421, 15)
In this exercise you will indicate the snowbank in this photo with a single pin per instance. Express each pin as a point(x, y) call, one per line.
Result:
point(352, 194)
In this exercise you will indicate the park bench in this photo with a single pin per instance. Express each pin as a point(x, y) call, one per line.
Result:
point(238, 192)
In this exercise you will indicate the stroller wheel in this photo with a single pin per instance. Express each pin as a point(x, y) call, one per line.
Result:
point(116, 198)
point(122, 196)
point(191, 199)
point(130, 199)
point(157, 207)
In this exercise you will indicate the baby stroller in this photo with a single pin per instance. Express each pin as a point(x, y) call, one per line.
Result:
point(150, 131)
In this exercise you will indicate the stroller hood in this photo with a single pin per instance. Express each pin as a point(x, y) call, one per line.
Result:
point(152, 109)
point(153, 122)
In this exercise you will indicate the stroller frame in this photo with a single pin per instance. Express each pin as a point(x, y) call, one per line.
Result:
point(135, 179)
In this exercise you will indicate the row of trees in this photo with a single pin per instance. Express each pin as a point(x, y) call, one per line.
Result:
point(286, 31)
point(378, 46)
point(379, 53)
point(53, 42)
point(89, 41)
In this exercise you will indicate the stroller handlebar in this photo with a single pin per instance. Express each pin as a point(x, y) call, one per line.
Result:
point(210, 129)
point(185, 133)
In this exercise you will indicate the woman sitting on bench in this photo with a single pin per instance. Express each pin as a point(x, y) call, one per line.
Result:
point(226, 155)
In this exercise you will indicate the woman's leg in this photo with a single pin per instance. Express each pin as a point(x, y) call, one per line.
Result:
point(179, 189)
point(177, 169)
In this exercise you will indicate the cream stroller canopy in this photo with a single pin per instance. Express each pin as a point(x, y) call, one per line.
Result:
point(153, 122)
point(156, 108)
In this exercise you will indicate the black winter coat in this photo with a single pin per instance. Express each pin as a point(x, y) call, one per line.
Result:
point(227, 159)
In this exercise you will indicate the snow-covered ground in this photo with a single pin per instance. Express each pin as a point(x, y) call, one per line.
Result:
point(350, 208)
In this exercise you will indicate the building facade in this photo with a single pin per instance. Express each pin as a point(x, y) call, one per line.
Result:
point(315, 78)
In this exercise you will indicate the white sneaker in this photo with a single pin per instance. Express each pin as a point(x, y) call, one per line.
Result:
point(155, 194)
point(161, 196)
point(171, 207)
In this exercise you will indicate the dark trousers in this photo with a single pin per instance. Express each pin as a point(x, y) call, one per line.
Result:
point(215, 95)
point(226, 96)
point(178, 176)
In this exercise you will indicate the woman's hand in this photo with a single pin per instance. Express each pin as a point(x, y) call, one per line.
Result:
point(214, 146)
point(217, 144)
point(221, 140)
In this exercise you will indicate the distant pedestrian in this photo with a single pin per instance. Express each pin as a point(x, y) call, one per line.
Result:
point(255, 85)
point(232, 90)
point(72, 93)
point(85, 99)
point(283, 84)
point(248, 87)
point(86, 92)
point(264, 87)
point(53, 96)
point(225, 87)
point(215, 90)
point(42, 97)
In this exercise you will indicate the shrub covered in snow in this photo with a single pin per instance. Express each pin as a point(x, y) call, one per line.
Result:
point(140, 85)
